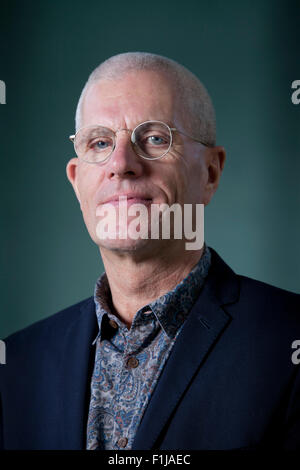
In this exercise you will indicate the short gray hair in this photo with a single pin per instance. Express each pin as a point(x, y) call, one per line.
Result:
point(189, 89)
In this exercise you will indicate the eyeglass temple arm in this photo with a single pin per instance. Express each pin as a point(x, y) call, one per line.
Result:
point(193, 138)
point(72, 138)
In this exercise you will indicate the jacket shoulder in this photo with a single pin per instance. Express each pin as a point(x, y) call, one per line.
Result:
point(52, 325)
point(253, 299)
point(258, 291)
point(267, 311)
point(252, 288)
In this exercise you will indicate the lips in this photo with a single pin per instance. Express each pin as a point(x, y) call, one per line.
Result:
point(130, 198)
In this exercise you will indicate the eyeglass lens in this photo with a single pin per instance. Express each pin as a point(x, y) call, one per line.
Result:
point(150, 139)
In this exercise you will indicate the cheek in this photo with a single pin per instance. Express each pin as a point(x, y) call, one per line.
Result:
point(189, 176)
point(88, 182)
point(197, 182)
point(180, 180)
point(173, 176)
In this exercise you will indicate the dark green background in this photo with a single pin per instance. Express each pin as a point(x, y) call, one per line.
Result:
point(245, 52)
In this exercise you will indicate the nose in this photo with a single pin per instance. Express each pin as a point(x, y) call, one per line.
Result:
point(124, 162)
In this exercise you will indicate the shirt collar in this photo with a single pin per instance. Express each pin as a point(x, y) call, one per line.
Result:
point(171, 309)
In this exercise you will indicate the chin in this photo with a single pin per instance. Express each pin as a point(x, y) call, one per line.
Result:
point(125, 246)
point(128, 237)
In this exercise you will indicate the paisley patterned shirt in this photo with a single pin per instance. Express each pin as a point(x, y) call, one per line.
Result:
point(128, 362)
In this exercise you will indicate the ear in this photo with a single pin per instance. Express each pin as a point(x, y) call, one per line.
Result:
point(215, 161)
point(71, 170)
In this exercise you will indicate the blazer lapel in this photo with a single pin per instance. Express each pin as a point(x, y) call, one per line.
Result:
point(76, 370)
point(204, 325)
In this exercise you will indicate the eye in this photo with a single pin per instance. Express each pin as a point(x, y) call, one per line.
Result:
point(100, 144)
point(155, 140)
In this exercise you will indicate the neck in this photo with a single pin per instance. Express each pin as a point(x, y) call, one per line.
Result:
point(136, 281)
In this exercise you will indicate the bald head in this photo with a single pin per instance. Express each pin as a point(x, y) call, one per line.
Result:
point(197, 108)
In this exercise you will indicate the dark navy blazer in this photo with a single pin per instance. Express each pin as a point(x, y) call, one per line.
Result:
point(229, 382)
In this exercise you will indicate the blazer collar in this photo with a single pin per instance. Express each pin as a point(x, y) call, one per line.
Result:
point(202, 329)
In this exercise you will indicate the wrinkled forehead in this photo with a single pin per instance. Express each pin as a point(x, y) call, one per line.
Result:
point(134, 98)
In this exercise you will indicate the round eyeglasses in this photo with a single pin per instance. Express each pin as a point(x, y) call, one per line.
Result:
point(151, 140)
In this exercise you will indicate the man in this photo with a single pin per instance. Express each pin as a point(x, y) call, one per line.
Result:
point(174, 350)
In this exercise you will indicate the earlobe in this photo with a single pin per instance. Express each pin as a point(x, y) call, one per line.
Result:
point(71, 170)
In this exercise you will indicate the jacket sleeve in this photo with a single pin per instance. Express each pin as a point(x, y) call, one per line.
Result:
point(1, 425)
point(292, 429)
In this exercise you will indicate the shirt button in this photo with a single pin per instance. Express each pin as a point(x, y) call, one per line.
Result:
point(113, 323)
point(122, 442)
point(132, 362)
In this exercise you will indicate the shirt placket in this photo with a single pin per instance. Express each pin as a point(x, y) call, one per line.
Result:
point(120, 431)
point(130, 363)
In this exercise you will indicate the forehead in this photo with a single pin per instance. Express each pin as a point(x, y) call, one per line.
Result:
point(134, 98)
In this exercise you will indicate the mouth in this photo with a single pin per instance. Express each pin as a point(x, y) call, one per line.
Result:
point(128, 199)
